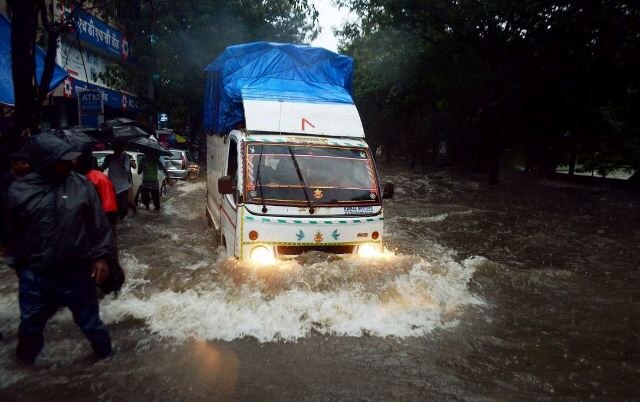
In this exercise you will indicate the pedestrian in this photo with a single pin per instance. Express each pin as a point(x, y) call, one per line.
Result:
point(119, 165)
point(20, 166)
point(61, 242)
point(150, 187)
point(85, 166)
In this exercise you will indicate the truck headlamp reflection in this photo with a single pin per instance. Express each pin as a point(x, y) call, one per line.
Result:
point(369, 250)
point(261, 255)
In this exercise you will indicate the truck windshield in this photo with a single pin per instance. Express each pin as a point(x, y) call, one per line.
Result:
point(332, 175)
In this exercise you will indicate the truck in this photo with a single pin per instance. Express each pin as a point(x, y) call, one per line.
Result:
point(288, 167)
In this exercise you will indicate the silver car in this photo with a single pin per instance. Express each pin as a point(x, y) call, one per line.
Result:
point(180, 165)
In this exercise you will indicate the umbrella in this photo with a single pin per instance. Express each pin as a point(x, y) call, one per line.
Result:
point(125, 133)
point(119, 121)
point(122, 129)
point(78, 135)
point(147, 145)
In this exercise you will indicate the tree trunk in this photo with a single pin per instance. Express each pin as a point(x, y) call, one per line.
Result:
point(23, 39)
point(50, 56)
point(494, 166)
point(495, 156)
point(573, 155)
point(634, 181)
point(387, 146)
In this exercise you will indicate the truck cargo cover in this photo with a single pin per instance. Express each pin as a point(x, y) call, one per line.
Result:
point(280, 75)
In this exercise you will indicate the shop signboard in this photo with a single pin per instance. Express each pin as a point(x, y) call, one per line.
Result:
point(163, 120)
point(90, 107)
point(71, 88)
point(94, 31)
point(90, 101)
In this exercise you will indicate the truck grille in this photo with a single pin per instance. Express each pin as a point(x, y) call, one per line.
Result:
point(297, 250)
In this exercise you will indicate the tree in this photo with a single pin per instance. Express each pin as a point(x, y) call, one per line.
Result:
point(545, 80)
point(29, 96)
point(173, 41)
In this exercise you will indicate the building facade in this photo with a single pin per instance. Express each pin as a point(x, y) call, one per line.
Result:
point(87, 52)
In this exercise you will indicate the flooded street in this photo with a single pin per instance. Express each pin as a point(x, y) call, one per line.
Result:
point(527, 290)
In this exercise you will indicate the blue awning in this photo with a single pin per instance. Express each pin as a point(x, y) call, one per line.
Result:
point(6, 76)
point(113, 99)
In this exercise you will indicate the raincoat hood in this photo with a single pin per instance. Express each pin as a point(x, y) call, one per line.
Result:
point(46, 149)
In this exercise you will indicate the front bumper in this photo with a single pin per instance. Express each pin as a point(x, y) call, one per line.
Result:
point(177, 174)
point(286, 238)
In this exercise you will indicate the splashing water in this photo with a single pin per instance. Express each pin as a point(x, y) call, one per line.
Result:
point(185, 288)
point(398, 296)
point(200, 294)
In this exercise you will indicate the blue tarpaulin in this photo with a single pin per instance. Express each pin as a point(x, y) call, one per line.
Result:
point(273, 72)
point(6, 76)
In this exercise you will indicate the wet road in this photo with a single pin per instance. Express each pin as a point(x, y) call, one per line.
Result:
point(528, 290)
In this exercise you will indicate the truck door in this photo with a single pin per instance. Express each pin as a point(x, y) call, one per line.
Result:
point(229, 201)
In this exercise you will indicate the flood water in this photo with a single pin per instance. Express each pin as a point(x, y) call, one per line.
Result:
point(528, 290)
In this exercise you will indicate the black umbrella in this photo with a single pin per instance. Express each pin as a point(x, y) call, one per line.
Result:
point(125, 133)
point(119, 121)
point(147, 145)
point(122, 129)
point(78, 135)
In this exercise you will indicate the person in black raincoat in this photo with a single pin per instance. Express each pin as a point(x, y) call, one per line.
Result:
point(60, 246)
point(19, 168)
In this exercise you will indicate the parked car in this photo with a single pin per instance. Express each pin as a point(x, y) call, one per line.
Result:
point(99, 156)
point(181, 165)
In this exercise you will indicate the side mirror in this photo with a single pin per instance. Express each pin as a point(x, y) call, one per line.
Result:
point(387, 192)
point(225, 185)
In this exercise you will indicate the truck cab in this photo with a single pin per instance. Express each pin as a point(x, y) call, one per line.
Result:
point(276, 195)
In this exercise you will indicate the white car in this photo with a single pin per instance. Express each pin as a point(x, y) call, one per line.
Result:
point(99, 156)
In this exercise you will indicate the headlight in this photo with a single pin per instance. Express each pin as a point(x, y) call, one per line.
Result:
point(369, 250)
point(261, 255)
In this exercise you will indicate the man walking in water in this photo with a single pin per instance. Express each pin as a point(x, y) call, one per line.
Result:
point(119, 165)
point(19, 168)
point(61, 242)
point(150, 187)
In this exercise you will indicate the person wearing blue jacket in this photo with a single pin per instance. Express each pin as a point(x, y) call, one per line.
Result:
point(60, 244)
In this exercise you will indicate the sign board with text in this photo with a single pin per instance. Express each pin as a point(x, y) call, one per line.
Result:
point(90, 107)
point(94, 31)
point(163, 120)
point(90, 102)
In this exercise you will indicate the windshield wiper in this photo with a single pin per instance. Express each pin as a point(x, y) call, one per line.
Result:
point(259, 180)
point(304, 186)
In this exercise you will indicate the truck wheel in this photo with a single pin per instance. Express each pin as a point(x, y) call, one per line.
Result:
point(228, 252)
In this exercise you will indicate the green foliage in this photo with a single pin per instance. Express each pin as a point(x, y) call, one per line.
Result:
point(173, 41)
point(496, 74)
point(116, 77)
